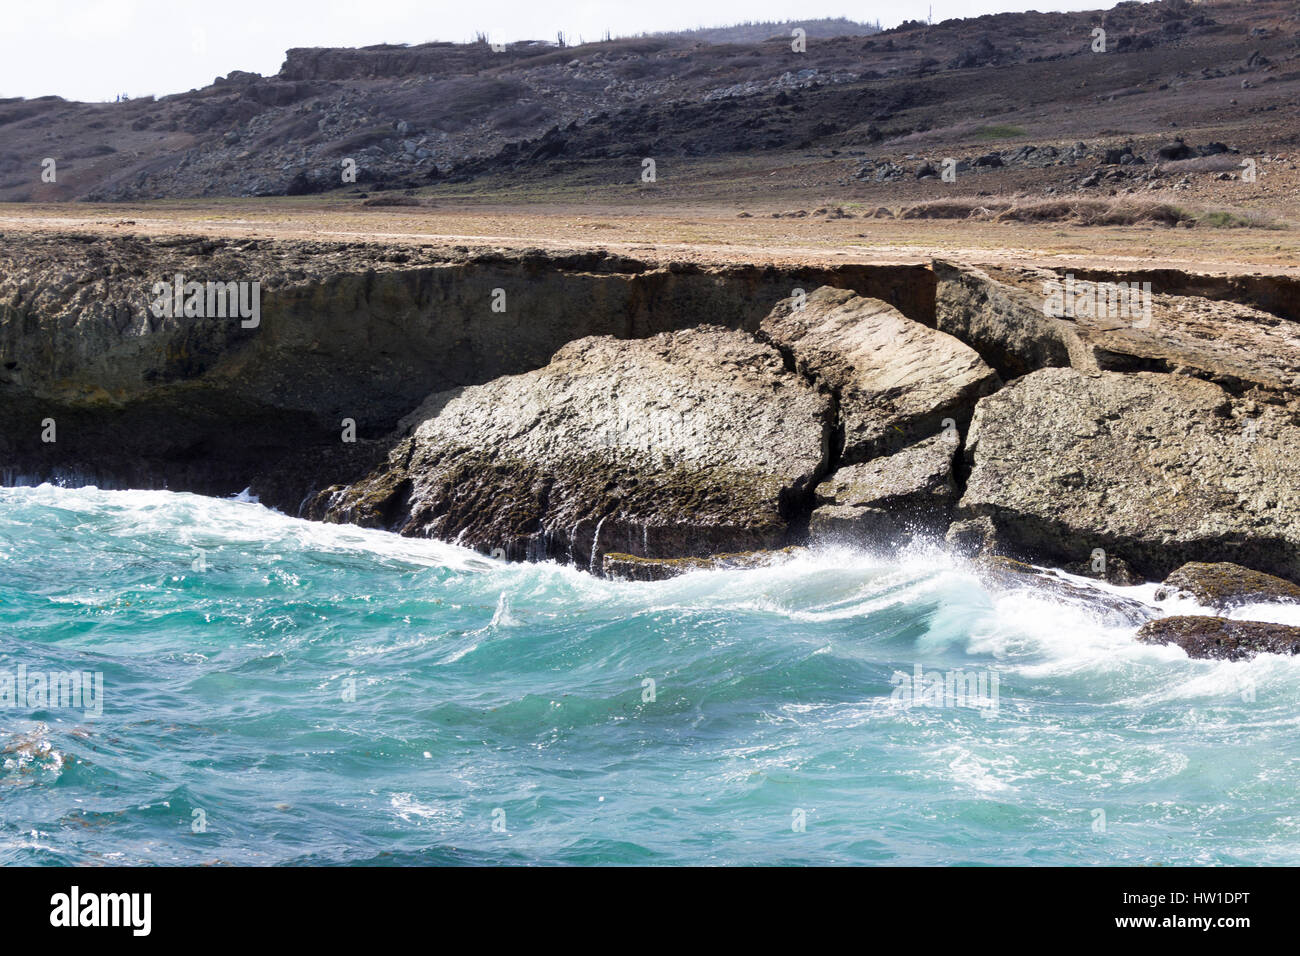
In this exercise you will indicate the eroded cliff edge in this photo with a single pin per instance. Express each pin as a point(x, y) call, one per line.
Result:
point(347, 331)
point(603, 410)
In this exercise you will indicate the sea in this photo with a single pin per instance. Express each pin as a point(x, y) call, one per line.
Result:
point(254, 689)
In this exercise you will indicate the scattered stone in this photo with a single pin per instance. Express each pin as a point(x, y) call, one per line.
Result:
point(1175, 151)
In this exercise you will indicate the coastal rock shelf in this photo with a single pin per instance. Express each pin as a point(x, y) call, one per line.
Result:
point(573, 406)
point(348, 331)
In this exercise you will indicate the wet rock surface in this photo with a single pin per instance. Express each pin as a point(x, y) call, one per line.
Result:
point(628, 567)
point(1225, 585)
point(1007, 574)
point(1093, 325)
point(1219, 638)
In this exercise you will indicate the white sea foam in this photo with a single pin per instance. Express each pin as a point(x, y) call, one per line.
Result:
point(1044, 633)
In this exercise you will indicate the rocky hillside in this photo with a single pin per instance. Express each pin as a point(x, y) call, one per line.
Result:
point(887, 107)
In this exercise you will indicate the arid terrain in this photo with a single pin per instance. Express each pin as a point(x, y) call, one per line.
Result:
point(1184, 97)
point(1179, 144)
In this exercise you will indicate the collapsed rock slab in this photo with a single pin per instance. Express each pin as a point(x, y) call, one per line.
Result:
point(1223, 585)
point(1004, 314)
point(1155, 469)
point(683, 444)
point(1004, 323)
point(895, 380)
point(1220, 638)
point(891, 499)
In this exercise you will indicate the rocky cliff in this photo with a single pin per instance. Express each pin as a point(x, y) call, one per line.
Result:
point(573, 407)
point(346, 333)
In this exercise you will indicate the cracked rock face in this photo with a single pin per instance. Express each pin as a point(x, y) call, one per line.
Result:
point(891, 499)
point(1001, 312)
point(1154, 469)
point(685, 443)
point(896, 380)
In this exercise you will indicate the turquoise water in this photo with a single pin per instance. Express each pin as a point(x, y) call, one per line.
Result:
point(316, 694)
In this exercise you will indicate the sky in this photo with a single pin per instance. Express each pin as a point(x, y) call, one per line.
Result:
point(95, 49)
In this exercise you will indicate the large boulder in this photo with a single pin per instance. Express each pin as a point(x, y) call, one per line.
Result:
point(895, 380)
point(683, 444)
point(1155, 469)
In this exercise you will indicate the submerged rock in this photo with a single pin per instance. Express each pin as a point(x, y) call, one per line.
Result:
point(683, 444)
point(629, 567)
point(892, 499)
point(1219, 638)
point(1224, 585)
point(1008, 574)
point(1154, 469)
point(895, 380)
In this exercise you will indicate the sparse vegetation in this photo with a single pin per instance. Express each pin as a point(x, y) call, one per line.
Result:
point(999, 131)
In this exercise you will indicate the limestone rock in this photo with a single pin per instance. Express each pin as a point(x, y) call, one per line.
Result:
point(890, 499)
point(1157, 470)
point(682, 444)
point(896, 380)
point(1191, 324)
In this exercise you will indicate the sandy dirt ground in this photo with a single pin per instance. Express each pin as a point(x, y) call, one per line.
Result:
point(657, 231)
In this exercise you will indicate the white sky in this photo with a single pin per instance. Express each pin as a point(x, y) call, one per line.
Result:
point(94, 49)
